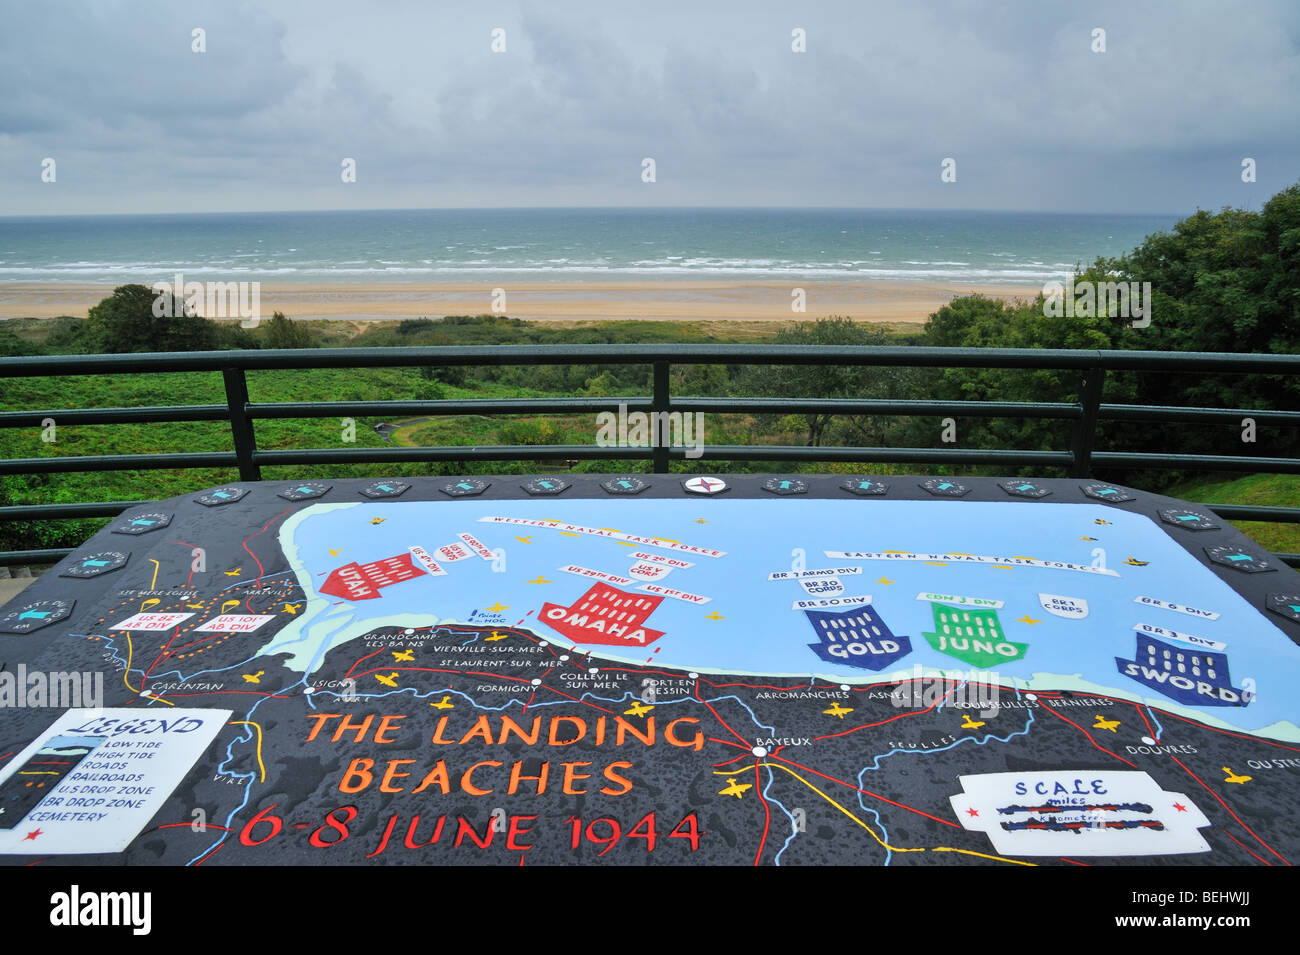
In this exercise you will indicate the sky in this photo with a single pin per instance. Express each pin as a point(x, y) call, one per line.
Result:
point(1033, 115)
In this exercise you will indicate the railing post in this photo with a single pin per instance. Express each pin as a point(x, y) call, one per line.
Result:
point(1085, 429)
point(659, 419)
point(241, 425)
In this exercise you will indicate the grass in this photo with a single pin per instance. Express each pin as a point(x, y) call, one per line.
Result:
point(1267, 490)
point(52, 394)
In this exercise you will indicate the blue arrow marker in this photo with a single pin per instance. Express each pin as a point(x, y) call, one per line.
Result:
point(1187, 517)
point(784, 485)
point(305, 490)
point(1295, 607)
point(1024, 487)
point(221, 494)
point(146, 521)
point(1107, 490)
point(545, 484)
point(1239, 557)
point(944, 486)
point(90, 562)
point(383, 487)
point(465, 485)
point(34, 614)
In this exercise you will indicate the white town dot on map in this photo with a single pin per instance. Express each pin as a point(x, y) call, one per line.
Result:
point(759, 751)
point(543, 644)
point(146, 693)
point(408, 631)
point(564, 658)
point(536, 682)
point(693, 676)
point(1031, 696)
point(593, 670)
point(844, 687)
point(1148, 741)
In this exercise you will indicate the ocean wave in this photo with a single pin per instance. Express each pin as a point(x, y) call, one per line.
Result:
point(473, 272)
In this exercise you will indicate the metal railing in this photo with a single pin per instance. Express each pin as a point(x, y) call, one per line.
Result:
point(1079, 460)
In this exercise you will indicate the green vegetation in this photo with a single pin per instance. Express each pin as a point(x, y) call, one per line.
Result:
point(1264, 490)
point(1220, 282)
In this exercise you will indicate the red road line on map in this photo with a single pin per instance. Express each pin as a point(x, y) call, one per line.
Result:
point(868, 792)
point(244, 544)
point(767, 814)
point(517, 679)
point(1246, 847)
point(1089, 735)
point(1225, 806)
point(163, 653)
point(725, 761)
point(219, 847)
point(532, 696)
point(272, 696)
point(1150, 731)
point(883, 722)
point(361, 661)
point(1215, 729)
point(576, 700)
point(1072, 861)
point(192, 548)
point(715, 714)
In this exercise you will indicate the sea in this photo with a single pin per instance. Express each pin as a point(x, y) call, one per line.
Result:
point(567, 245)
point(744, 614)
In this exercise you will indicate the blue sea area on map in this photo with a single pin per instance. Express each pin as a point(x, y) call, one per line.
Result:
point(750, 626)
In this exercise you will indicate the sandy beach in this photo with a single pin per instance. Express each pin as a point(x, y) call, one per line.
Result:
point(896, 301)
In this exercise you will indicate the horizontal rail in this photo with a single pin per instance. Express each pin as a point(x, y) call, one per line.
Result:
point(1220, 415)
point(52, 555)
point(119, 462)
point(1196, 462)
point(472, 406)
point(246, 459)
point(62, 512)
point(440, 355)
point(879, 406)
point(143, 415)
point(1254, 512)
point(491, 452)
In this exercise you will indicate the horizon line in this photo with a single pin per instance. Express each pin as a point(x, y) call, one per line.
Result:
point(595, 208)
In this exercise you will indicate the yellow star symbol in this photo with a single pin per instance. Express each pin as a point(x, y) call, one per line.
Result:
point(497, 607)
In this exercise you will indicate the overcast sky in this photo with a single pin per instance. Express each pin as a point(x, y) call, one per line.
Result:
point(584, 91)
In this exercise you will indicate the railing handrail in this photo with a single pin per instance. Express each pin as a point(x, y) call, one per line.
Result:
point(455, 355)
point(1083, 414)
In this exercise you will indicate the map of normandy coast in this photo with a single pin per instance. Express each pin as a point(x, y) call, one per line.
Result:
point(783, 679)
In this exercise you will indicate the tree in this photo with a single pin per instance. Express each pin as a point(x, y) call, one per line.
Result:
point(129, 321)
point(825, 379)
point(281, 332)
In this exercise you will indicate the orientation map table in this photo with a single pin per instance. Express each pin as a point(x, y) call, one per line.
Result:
point(655, 669)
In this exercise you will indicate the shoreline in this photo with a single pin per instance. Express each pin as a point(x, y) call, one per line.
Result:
point(900, 300)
